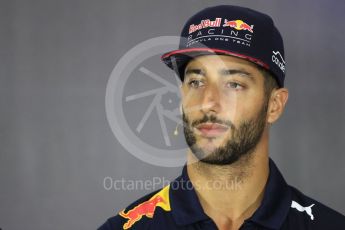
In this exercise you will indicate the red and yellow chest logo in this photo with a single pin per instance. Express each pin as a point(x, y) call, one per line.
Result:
point(147, 208)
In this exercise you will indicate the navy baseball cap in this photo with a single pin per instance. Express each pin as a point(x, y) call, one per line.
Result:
point(230, 30)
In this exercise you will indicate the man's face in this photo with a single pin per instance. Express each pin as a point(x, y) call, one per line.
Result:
point(224, 108)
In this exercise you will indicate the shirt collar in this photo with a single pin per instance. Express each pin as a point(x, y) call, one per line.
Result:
point(186, 208)
point(276, 201)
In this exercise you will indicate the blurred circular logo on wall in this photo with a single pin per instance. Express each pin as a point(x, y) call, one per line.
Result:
point(142, 104)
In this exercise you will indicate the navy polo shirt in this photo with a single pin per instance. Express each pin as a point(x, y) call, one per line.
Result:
point(177, 206)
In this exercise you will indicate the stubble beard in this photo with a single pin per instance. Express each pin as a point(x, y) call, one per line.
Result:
point(242, 142)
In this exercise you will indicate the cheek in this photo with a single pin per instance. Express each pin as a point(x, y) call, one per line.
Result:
point(191, 100)
point(241, 106)
point(232, 107)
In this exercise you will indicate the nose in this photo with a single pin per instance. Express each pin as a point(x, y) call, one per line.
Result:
point(210, 101)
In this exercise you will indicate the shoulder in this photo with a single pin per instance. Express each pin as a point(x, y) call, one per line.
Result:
point(141, 212)
point(312, 214)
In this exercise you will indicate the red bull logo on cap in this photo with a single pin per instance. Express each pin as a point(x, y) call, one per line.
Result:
point(238, 25)
point(205, 24)
point(147, 208)
point(221, 29)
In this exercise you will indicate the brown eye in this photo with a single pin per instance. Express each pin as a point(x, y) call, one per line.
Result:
point(195, 84)
point(234, 85)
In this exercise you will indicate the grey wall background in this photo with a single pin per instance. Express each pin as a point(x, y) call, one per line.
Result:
point(55, 142)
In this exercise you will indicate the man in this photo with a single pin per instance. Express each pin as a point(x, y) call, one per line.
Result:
point(231, 63)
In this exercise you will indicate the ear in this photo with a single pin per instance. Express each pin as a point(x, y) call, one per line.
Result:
point(277, 104)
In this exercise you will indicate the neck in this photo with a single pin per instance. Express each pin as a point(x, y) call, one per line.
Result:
point(229, 194)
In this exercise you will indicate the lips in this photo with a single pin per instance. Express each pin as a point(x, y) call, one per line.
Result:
point(211, 129)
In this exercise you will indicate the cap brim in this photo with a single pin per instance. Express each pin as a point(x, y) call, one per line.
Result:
point(177, 59)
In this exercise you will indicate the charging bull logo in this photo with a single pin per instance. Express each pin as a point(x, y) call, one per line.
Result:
point(238, 25)
point(147, 208)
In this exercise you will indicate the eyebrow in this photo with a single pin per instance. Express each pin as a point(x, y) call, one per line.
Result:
point(195, 71)
point(234, 72)
point(223, 72)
